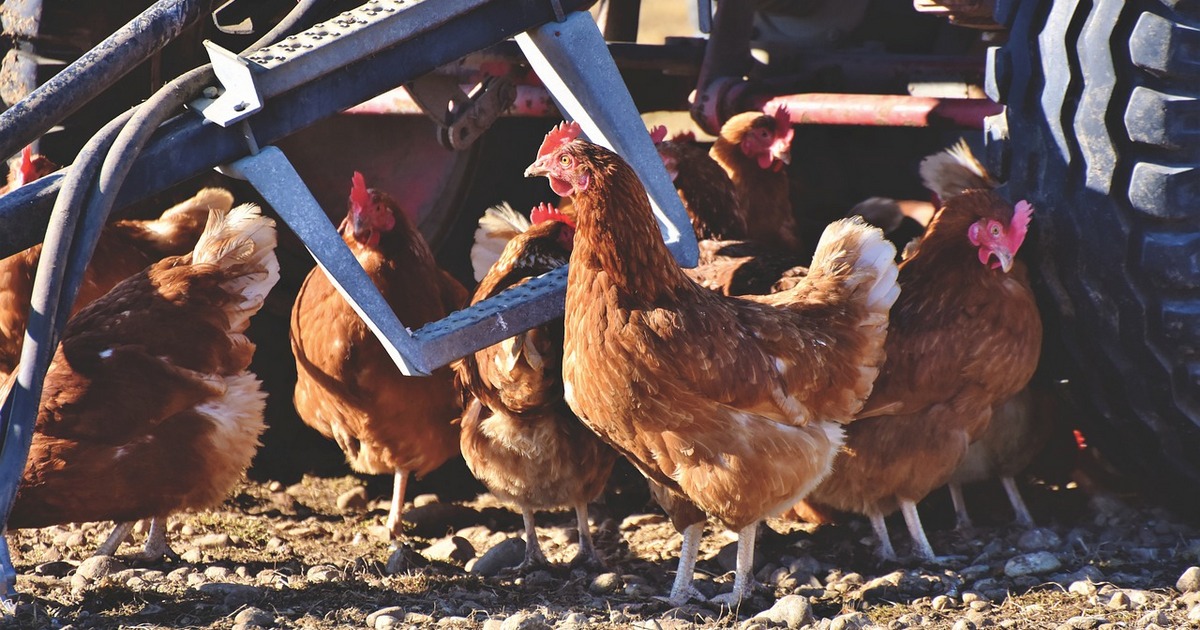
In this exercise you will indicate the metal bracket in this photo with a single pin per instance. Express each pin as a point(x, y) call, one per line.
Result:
point(462, 118)
point(240, 98)
point(572, 60)
point(419, 352)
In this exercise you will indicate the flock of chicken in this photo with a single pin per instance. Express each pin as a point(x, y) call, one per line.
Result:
point(747, 387)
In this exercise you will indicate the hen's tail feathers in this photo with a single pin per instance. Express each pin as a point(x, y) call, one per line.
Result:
point(855, 257)
point(241, 242)
point(176, 231)
point(954, 170)
point(498, 225)
point(872, 271)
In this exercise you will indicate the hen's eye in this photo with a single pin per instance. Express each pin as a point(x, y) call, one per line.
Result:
point(565, 160)
point(995, 231)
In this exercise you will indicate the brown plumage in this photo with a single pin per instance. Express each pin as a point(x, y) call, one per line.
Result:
point(746, 268)
point(125, 248)
point(523, 442)
point(148, 406)
point(648, 353)
point(964, 336)
point(754, 149)
point(1019, 429)
point(705, 189)
point(1020, 426)
point(347, 386)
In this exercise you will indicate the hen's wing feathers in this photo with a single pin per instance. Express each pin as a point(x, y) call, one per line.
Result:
point(810, 353)
point(96, 389)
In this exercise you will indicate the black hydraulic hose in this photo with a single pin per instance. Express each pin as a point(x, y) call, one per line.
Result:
point(133, 136)
point(42, 329)
point(97, 69)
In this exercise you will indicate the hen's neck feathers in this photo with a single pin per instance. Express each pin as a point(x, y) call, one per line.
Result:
point(617, 232)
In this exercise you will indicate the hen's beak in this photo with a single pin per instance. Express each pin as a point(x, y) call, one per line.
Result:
point(538, 168)
point(781, 152)
point(1004, 256)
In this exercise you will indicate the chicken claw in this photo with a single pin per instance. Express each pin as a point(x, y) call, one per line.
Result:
point(156, 547)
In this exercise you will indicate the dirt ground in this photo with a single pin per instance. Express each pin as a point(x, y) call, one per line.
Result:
point(312, 555)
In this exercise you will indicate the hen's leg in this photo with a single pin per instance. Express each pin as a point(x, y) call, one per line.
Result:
point(885, 550)
point(960, 506)
point(1024, 518)
point(587, 555)
point(394, 524)
point(534, 557)
point(743, 578)
point(113, 542)
point(156, 547)
point(916, 531)
point(682, 590)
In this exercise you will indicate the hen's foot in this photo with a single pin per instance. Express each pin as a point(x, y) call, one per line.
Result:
point(682, 596)
point(587, 561)
point(403, 559)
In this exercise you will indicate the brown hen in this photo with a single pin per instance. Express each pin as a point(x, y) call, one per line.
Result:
point(148, 406)
point(519, 437)
point(649, 354)
point(347, 386)
point(965, 336)
point(125, 248)
point(754, 148)
point(707, 193)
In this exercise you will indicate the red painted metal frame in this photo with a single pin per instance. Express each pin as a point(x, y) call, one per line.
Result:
point(881, 110)
point(878, 110)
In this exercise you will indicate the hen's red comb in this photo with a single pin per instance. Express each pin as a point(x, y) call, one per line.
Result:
point(658, 133)
point(783, 122)
point(544, 212)
point(684, 136)
point(1019, 225)
point(560, 135)
point(28, 171)
point(358, 191)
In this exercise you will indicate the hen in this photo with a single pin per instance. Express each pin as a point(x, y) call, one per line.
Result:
point(1021, 425)
point(125, 248)
point(347, 386)
point(518, 436)
point(137, 422)
point(705, 189)
point(649, 354)
point(965, 336)
point(754, 148)
point(31, 167)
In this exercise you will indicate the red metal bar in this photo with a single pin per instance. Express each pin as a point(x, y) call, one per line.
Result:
point(881, 110)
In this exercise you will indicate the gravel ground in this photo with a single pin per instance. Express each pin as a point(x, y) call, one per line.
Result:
point(313, 555)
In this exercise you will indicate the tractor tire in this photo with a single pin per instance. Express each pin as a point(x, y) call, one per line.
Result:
point(1102, 134)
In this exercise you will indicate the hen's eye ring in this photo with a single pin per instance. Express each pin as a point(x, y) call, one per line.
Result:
point(565, 160)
